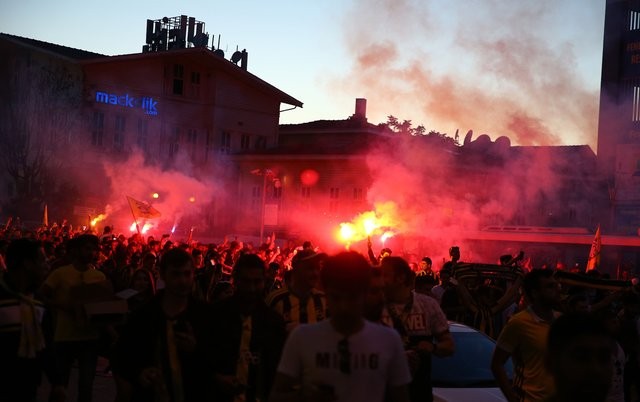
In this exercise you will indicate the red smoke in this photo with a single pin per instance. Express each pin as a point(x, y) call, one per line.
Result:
point(492, 69)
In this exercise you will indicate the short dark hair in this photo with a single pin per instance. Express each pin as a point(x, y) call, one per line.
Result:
point(427, 260)
point(176, 257)
point(400, 267)
point(21, 250)
point(347, 271)
point(83, 240)
point(248, 261)
point(570, 326)
point(531, 280)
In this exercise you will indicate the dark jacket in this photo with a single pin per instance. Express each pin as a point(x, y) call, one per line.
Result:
point(143, 343)
point(267, 339)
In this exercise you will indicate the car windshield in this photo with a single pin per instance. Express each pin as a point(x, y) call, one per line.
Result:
point(470, 366)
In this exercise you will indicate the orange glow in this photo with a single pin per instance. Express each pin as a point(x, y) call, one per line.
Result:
point(97, 219)
point(192, 199)
point(155, 195)
point(146, 227)
point(369, 225)
point(133, 227)
point(382, 221)
point(385, 236)
point(347, 231)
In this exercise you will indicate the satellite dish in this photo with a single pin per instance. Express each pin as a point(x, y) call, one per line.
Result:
point(219, 52)
point(200, 40)
point(165, 20)
point(236, 57)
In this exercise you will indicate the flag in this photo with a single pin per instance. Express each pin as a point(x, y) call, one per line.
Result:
point(594, 254)
point(141, 209)
point(45, 218)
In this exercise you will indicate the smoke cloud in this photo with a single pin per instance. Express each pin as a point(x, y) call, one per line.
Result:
point(183, 199)
point(504, 69)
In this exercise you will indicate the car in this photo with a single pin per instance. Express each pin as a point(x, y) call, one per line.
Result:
point(466, 376)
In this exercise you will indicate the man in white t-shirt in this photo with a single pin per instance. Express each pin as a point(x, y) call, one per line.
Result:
point(344, 358)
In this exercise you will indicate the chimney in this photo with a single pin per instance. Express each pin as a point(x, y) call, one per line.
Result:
point(244, 60)
point(361, 109)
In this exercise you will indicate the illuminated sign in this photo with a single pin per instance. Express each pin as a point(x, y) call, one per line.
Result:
point(147, 103)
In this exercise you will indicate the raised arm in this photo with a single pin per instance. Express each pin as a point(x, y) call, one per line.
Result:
point(508, 296)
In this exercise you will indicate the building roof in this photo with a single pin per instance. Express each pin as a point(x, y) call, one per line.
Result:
point(65, 51)
point(217, 61)
point(331, 125)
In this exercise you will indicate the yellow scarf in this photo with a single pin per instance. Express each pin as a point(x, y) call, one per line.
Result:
point(174, 363)
point(31, 336)
point(244, 357)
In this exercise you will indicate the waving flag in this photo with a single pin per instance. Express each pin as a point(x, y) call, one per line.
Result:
point(594, 254)
point(141, 209)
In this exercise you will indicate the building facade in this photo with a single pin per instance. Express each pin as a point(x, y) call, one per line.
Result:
point(619, 119)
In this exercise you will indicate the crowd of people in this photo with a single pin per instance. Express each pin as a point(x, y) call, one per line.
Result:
point(237, 322)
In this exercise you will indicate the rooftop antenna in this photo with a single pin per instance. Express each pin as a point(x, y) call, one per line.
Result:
point(218, 51)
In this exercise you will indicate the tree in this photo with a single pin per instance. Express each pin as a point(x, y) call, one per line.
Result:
point(405, 128)
point(39, 107)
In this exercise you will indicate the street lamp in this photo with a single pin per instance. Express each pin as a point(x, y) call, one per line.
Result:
point(267, 175)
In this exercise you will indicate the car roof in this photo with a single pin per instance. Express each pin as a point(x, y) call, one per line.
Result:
point(457, 327)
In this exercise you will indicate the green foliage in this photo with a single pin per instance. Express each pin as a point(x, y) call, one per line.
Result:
point(405, 127)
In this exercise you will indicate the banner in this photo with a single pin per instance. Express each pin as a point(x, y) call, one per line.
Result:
point(585, 281)
point(594, 254)
point(465, 271)
point(141, 209)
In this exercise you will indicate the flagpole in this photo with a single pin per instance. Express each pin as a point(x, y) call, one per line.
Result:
point(134, 217)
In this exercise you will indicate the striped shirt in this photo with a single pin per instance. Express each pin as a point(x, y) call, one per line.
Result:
point(296, 311)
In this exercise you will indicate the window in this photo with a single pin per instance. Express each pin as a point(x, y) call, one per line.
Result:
point(207, 147)
point(255, 191)
point(334, 193)
point(245, 141)
point(261, 142)
point(143, 134)
point(97, 131)
point(277, 192)
point(306, 192)
point(192, 139)
point(634, 20)
point(635, 113)
point(256, 197)
point(118, 136)
point(192, 136)
point(178, 82)
point(195, 78)
point(174, 142)
point(357, 194)
point(195, 84)
point(225, 142)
